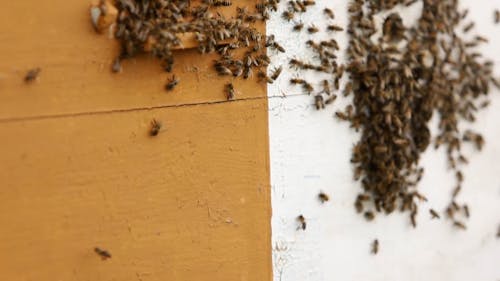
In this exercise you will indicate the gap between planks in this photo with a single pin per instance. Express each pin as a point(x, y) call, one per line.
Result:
point(89, 113)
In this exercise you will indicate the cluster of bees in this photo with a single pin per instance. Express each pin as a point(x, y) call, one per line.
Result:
point(398, 82)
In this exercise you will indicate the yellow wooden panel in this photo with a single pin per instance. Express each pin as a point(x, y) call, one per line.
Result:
point(57, 36)
point(189, 204)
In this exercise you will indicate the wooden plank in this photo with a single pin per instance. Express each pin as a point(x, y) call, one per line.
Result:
point(76, 64)
point(189, 204)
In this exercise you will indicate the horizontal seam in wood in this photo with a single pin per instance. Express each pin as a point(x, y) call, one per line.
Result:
point(88, 113)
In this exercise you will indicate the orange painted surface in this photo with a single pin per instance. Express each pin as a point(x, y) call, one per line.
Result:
point(79, 170)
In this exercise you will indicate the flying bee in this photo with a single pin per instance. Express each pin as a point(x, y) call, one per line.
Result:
point(298, 26)
point(335, 28)
point(459, 225)
point(302, 222)
point(102, 253)
point(230, 91)
point(369, 215)
point(434, 214)
point(312, 29)
point(276, 73)
point(329, 13)
point(32, 75)
point(172, 82)
point(323, 197)
point(375, 245)
point(155, 127)
point(319, 102)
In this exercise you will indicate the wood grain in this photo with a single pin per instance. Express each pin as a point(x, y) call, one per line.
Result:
point(189, 204)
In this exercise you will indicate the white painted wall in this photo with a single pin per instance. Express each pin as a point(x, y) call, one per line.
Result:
point(310, 151)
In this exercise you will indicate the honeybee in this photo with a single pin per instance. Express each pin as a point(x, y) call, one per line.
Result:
point(102, 253)
point(466, 210)
point(298, 26)
point(369, 215)
point(288, 15)
point(302, 222)
point(155, 128)
point(117, 66)
point(468, 27)
point(312, 29)
point(323, 197)
point(172, 82)
point(329, 13)
point(333, 27)
point(375, 246)
point(434, 214)
point(319, 102)
point(32, 75)
point(331, 99)
point(229, 91)
point(459, 225)
point(276, 73)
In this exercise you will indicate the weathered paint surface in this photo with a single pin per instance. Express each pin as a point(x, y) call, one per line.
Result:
point(310, 152)
point(78, 169)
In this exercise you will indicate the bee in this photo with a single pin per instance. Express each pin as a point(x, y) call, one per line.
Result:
point(326, 87)
point(155, 128)
point(434, 214)
point(375, 245)
point(295, 81)
point(323, 197)
point(172, 82)
point(278, 47)
point(498, 232)
point(308, 88)
point(333, 27)
point(481, 39)
point(497, 16)
point(263, 77)
point(308, 3)
point(298, 26)
point(369, 215)
point(319, 102)
point(312, 29)
point(102, 253)
point(288, 15)
point(466, 210)
point(225, 3)
point(295, 63)
point(276, 73)
point(32, 75)
point(347, 89)
point(342, 116)
point(247, 72)
point(230, 91)
point(329, 13)
point(302, 222)
point(459, 225)
point(223, 70)
point(468, 27)
point(456, 190)
point(413, 219)
point(459, 176)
